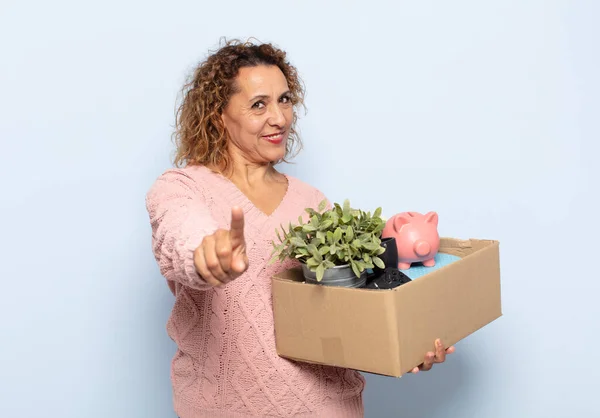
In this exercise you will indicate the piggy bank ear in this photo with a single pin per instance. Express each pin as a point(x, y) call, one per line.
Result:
point(401, 220)
point(431, 218)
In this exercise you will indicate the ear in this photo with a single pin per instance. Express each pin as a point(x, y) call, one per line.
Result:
point(401, 220)
point(431, 218)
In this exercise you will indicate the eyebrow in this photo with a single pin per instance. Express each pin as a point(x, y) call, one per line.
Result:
point(265, 96)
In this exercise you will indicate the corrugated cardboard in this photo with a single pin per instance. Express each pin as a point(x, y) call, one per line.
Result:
point(388, 332)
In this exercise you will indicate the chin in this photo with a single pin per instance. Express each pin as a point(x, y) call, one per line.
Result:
point(276, 152)
point(277, 157)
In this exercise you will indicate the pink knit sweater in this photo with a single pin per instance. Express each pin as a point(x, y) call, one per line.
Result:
point(226, 364)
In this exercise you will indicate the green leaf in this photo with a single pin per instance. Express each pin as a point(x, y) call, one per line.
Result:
point(312, 249)
point(321, 237)
point(337, 235)
point(312, 262)
point(371, 246)
point(324, 250)
point(328, 264)
point(314, 221)
point(310, 211)
point(335, 218)
point(322, 205)
point(355, 268)
point(308, 228)
point(379, 262)
point(298, 242)
point(349, 234)
point(326, 224)
point(346, 208)
point(330, 237)
point(320, 272)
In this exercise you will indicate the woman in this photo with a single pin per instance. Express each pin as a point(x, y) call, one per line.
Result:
point(213, 218)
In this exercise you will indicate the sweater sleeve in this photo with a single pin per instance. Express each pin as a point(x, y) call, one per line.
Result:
point(180, 219)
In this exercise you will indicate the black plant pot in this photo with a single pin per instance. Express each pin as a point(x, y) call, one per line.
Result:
point(390, 277)
point(390, 256)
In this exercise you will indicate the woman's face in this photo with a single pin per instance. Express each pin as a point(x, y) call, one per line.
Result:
point(258, 117)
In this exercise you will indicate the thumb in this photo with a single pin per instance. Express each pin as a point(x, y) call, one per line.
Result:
point(236, 231)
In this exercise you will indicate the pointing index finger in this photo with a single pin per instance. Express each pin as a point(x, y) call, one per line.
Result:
point(236, 232)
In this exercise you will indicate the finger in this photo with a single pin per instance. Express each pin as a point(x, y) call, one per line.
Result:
point(223, 250)
point(212, 260)
point(415, 370)
point(440, 353)
point(428, 363)
point(236, 232)
point(202, 269)
point(450, 350)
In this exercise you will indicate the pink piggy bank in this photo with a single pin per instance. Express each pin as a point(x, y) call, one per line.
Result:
point(416, 236)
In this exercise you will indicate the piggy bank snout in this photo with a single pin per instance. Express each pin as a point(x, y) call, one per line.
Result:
point(422, 248)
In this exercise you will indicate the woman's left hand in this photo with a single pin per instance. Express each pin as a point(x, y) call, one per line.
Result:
point(438, 357)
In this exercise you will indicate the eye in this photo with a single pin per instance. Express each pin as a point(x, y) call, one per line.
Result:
point(258, 105)
point(286, 99)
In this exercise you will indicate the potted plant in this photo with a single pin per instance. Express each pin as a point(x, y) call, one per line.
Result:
point(336, 246)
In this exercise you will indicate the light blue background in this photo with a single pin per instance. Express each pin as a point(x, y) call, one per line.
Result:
point(485, 111)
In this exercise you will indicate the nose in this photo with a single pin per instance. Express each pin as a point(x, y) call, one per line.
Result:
point(422, 248)
point(276, 116)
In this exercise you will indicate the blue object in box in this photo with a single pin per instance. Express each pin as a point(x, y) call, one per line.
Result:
point(417, 270)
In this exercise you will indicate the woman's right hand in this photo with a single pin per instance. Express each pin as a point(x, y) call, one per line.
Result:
point(221, 257)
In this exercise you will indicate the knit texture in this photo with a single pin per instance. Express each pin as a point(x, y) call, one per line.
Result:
point(226, 364)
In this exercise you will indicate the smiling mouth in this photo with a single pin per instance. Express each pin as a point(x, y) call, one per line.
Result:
point(275, 138)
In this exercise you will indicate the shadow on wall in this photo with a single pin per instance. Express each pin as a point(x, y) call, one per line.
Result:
point(424, 395)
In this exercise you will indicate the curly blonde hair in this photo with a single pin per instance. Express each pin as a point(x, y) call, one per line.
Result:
point(200, 136)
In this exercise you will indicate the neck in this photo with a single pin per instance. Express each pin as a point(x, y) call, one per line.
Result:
point(248, 174)
point(244, 172)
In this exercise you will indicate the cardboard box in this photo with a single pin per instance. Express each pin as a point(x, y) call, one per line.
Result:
point(388, 332)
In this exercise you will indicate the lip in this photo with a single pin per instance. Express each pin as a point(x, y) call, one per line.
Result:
point(275, 138)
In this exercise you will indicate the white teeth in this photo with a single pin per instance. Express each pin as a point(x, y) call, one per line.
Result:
point(272, 136)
